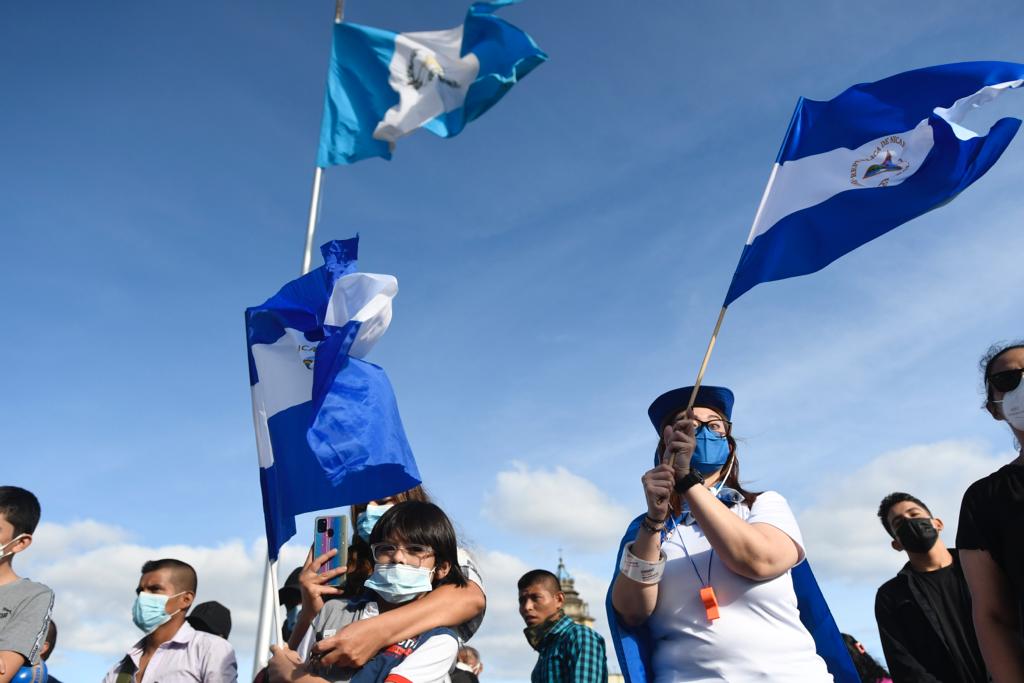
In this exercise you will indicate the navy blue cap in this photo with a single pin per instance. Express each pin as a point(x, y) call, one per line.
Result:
point(671, 402)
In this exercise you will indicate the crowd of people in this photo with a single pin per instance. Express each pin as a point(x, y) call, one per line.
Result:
point(709, 585)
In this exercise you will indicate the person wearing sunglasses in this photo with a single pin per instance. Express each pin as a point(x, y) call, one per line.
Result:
point(710, 582)
point(990, 535)
point(414, 552)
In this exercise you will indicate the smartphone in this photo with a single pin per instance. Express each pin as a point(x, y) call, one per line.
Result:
point(329, 533)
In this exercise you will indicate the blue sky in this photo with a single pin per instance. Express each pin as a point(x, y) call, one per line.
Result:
point(560, 263)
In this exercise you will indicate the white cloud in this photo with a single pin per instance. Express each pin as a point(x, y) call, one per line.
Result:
point(841, 531)
point(556, 504)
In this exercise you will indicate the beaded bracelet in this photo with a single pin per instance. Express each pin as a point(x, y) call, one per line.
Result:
point(652, 525)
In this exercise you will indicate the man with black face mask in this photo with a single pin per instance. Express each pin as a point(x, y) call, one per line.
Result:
point(924, 613)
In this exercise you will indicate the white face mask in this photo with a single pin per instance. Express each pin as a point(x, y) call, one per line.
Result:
point(3, 548)
point(1013, 407)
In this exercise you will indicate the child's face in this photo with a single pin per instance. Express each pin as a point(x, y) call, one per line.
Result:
point(6, 529)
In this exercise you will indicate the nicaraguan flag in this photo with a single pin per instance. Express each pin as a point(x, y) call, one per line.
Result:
point(876, 156)
point(384, 85)
point(328, 432)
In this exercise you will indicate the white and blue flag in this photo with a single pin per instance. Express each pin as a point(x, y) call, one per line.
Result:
point(384, 85)
point(328, 432)
point(855, 167)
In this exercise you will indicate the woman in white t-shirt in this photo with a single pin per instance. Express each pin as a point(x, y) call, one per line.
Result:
point(706, 579)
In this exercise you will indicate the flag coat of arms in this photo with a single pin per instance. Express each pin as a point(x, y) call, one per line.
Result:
point(857, 166)
point(328, 431)
point(383, 85)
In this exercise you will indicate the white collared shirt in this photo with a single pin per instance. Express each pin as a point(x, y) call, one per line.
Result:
point(188, 657)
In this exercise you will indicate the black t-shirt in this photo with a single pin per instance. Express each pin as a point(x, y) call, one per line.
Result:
point(992, 519)
point(947, 593)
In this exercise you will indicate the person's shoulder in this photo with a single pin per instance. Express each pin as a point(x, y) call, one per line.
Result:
point(584, 634)
point(983, 488)
point(31, 589)
point(766, 498)
point(211, 642)
point(769, 503)
point(341, 611)
point(891, 589)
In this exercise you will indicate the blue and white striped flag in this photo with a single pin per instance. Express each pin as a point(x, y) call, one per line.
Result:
point(876, 156)
point(384, 85)
point(328, 432)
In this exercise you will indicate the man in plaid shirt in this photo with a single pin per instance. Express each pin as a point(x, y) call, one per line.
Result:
point(567, 652)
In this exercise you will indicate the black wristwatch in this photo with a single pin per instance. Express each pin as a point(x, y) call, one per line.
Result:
point(692, 478)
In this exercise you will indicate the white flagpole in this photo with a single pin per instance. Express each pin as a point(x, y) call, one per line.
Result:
point(314, 214)
point(269, 628)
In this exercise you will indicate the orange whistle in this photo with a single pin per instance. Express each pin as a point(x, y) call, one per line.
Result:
point(707, 596)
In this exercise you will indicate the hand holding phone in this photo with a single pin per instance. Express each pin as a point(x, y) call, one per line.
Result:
point(313, 585)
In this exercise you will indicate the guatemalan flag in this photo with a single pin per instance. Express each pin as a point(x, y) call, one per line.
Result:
point(876, 156)
point(384, 85)
point(328, 432)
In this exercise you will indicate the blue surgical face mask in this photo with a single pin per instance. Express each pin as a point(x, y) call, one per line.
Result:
point(398, 583)
point(150, 611)
point(368, 518)
point(291, 617)
point(711, 452)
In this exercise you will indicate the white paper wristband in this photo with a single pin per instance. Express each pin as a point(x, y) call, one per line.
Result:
point(641, 571)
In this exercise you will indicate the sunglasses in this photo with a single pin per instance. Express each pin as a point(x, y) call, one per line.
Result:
point(1007, 380)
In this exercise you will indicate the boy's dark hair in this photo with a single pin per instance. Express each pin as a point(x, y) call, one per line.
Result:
point(51, 638)
point(893, 499)
point(415, 521)
point(543, 577)
point(182, 574)
point(20, 508)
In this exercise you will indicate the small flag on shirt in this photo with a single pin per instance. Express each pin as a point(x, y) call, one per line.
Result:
point(328, 432)
point(873, 158)
point(384, 85)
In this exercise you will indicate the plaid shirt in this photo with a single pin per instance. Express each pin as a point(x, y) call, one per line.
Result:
point(570, 653)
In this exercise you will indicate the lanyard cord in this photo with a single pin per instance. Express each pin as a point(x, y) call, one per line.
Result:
point(711, 556)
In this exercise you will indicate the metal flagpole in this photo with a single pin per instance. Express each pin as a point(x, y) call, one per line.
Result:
point(270, 604)
point(721, 314)
point(314, 214)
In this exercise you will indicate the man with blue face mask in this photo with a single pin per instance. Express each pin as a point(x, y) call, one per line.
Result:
point(172, 651)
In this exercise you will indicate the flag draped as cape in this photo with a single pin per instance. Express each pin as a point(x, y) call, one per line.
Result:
point(634, 646)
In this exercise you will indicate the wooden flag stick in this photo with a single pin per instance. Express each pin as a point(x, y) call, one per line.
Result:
point(700, 373)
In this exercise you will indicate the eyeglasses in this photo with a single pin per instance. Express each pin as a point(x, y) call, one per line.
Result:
point(1007, 380)
point(717, 425)
point(413, 554)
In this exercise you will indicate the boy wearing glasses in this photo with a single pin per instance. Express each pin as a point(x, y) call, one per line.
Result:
point(414, 552)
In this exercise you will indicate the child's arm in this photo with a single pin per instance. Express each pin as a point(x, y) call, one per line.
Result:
point(10, 662)
point(358, 642)
point(24, 631)
point(285, 665)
